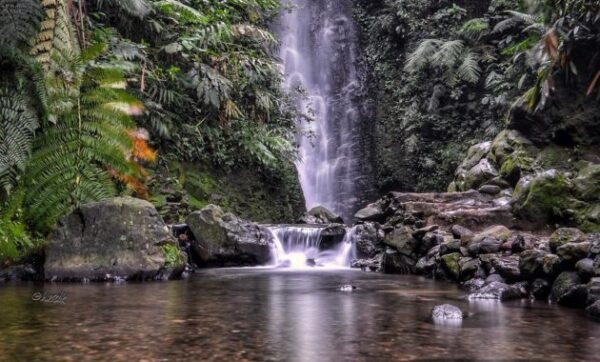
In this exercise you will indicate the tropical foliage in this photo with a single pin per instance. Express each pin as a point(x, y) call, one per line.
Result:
point(87, 86)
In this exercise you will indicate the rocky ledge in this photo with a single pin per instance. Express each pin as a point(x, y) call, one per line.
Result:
point(473, 238)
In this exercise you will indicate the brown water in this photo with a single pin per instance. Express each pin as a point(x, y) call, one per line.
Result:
point(274, 315)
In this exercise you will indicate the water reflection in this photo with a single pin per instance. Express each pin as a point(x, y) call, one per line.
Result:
point(274, 315)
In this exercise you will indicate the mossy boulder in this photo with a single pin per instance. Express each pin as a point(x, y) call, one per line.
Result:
point(223, 239)
point(543, 198)
point(563, 236)
point(121, 238)
point(478, 175)
point(509, 143)
point(568, 290)
point(450, 263)
point(587, 183)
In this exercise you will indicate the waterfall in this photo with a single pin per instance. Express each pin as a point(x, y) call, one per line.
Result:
point(319, 55)
point(299, 246)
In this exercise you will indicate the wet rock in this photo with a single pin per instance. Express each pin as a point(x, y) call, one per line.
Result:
point(395, 263)
point(420, 233)
point(597, 265)
point(568, 290)
point(473, 284)
point(347, 288)
point(573, 252)
point(402, 240)
point(462, 233)
point(499, 232)
point(425, 266)
point(468, 267)
point(593, 289)
point(594, 239)
point(446, 312)
point(368, 239)
point(500, 291)
point(540, 289)
point(565, 235)
point(478, 175)
point(448, 247)
point(519, 244)
point(429, 241)
point(587, 183)
point(121, 238)
point(489, 245)
point(531, 264)
point(585, 268)
point(223, 239)
point(372, 264)
point(321, 215)
point(490, 189)
point(372, 212)
point(593, 311)
point(451, 266)
point(494, 278)
point(22, 272)
point(531, 201)
point(331, 236)
point(551, 266)
point(508, 267)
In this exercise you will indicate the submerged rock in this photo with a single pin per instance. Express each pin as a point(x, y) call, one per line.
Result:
point(446, 312)
point(223, 239)
point(122, 238)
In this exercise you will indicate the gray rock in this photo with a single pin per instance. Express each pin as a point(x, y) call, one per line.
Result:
point(508, 267)
point(462, 233)
point(368, 238)
point(321, 215)
point(568, 290)
point(593, 311)
point(494, 278)
point(223, 239)
point(425, 266)
point(540, 289)
point(573, 252)
point(372, 212)
point(371, 265)
point(585, 268)
point(593, 288)
point(446, 312)
point(531, 264)
point(490, 189)
point(565, 235)
point(500, 291)
point(121, 238)
point(395, 263)
point(473, 284)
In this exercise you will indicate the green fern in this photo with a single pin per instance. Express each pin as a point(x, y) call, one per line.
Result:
point(72, 159)
point(19, 21)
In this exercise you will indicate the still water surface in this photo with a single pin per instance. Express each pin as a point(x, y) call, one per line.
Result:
point(278, 315)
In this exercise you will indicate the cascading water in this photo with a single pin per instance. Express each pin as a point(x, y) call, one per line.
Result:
point(298, 246)
point(319, 55)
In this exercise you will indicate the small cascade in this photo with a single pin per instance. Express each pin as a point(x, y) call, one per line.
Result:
point(300, 246)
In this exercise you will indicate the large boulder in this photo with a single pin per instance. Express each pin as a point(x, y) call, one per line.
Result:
point(122, 238)
point(478, 175)
point(531, 264)
point(395, 263)
point(568, 290)
point(321, 215)
point(372, 212)
point(368, 238)
point(542, 199)
point(500, 291)
point(223, 239)
point(402, 239)
point(587, 183)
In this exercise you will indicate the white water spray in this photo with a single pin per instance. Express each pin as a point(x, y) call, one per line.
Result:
point(299, 247)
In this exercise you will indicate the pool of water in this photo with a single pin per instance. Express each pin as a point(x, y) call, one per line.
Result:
point(281, 315)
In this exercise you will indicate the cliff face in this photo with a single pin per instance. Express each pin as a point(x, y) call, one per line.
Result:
point(422, 127)
point(436, 128)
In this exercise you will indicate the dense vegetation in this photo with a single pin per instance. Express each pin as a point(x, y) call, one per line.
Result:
point(449, 74)
point(96, 98)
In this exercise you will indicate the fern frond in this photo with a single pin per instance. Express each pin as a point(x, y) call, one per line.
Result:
point(419, 58)
point(19, 21)
point(469, 70)
point(448, 53)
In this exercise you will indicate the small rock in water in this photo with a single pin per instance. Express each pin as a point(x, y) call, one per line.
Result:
point(446, 312)
point(347, 288)
point(311, 262)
